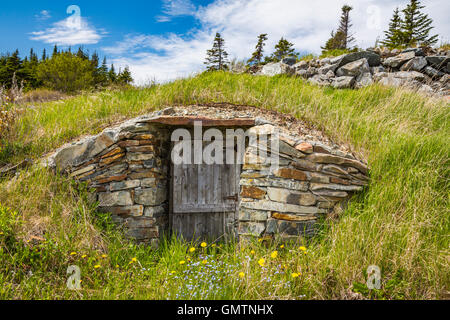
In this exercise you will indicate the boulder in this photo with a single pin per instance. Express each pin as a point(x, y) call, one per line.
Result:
point(354, 68)
point(290, 61)
point(398, 79)
point(418, 52)
point(377, 69)
point(363, 80)
point(372, 58)
point(343, 82)
point(432, 72)
point(325, 69)
point(438, 62)
point(415, 64)
point(302, 65)
point(274, 68)
point(399, 60)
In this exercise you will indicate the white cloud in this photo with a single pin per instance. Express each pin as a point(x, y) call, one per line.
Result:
point(176, 8)
point(43, 15)
point(71, 31)
point(306, 23)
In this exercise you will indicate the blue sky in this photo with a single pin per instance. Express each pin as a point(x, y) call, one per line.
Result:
point(166, 39)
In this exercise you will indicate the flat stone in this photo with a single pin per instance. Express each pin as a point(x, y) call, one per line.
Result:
point(154, 212)
point(291, 174)
point(107, 161)
point(111, 179)
point(398, 60)
point(206, 122)
point(82, 171)
point(285, 148)
point(305, 147)
point(304, 165)
point(112, 153)
point(124, 185)
point(252, 215)
point(432, 72)
point(281, 183)
point(291, 197)
point(150, 197)
point(140, 156)
point(122, 198)
point(253, 192)
point(292, 217)
point(128, 143)
point(363, 80)
point(252, 228)
point(354, 68)
point(135, 211)
point(331, 194)
point(335, 187)
point(147, 148)
point(438, 62)
point(280, 207)
point(70, 155)
point(143, 175)
point(327, 158)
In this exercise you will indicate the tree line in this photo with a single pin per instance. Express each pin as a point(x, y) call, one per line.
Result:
point(410, 27)
point(63, 70)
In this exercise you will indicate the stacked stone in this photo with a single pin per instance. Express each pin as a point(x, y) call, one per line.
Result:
point(426, 70)
point(311, 181)
point(128, 168)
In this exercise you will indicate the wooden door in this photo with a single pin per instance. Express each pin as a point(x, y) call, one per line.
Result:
point(204, 201)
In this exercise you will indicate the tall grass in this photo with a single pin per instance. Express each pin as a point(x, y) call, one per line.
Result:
point(400, 223)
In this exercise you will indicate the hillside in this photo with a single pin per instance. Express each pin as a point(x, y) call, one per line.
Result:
point(399, 223)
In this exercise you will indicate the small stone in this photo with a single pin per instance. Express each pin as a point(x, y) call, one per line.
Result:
point(124, 185)
point(305, 147)
point(252, 215)
point(150, 197)
point(292, 217)
point(122, 198)
point(252, 192)
point(399, 60)
point(291, 174)
point(343, 82)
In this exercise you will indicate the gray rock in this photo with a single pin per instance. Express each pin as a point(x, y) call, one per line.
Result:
point(417, 51)
point(372, 58)
point(274, 68)
point(325, 69)
point(377, 69)
point(252, 215)
point(415, 64)
point(438, 62)
point(122, 198)
point(354, 68)
point(150, 197)
point(363, 80)
point(398, 79)
point(398, 60)
point(432, 72)
point(343, 82)
point(302, 65)
point(290, 61)
point(252, 228)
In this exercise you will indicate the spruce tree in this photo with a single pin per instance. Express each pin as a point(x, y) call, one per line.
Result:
point(55, 51)
point(259, 50)
point(125, 77)
point(416, 26)
point(393, 36)
point(112, 76)
point(345, 39)
point(217, 57)
point(283, 49)
point(44, 55)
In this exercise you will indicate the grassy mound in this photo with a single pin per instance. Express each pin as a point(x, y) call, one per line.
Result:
point(401, 223)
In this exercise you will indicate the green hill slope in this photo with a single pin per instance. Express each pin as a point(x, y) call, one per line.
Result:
point(400, 223)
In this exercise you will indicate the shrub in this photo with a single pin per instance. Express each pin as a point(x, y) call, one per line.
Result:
point(66, 72)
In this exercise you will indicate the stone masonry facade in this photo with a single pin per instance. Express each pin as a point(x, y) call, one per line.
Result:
point(128, 168)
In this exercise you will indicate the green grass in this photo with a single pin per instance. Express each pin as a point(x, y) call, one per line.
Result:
point(400, 223)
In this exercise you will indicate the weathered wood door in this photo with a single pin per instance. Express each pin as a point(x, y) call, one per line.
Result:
point(204, 201)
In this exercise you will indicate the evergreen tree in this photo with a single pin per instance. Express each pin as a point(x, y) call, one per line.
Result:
point(103, 73)
point(55, 51)
point(345, 39)
point(416, 25)
point(393, 36)
point(258, 54)
point(125, 77)
point(283, 49)
point(81, 54)
point(217, 57)
point(44, 55)
point(112, 76)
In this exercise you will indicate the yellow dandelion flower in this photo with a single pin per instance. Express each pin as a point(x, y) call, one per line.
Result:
point(295, 275)
point(205, 261)
point(117, 265)
point(204, 245)
point(274, 255)
point(182, 262)
point(302, 249)
point(104, 256)
point(282, 246)
point(260, 240)
point(1, 233)
point(188, 259)
point(83, 256)
point(252, 252)
point(97, 266)
point(213, 245)
point(261, 262)
point(172, 272)
point(241, 275)
point(133, 260)
point(73, 253)
point(192, 250)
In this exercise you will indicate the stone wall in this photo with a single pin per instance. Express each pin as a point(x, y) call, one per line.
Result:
point(425, 70)
point(127, 166)
point(312, 180)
